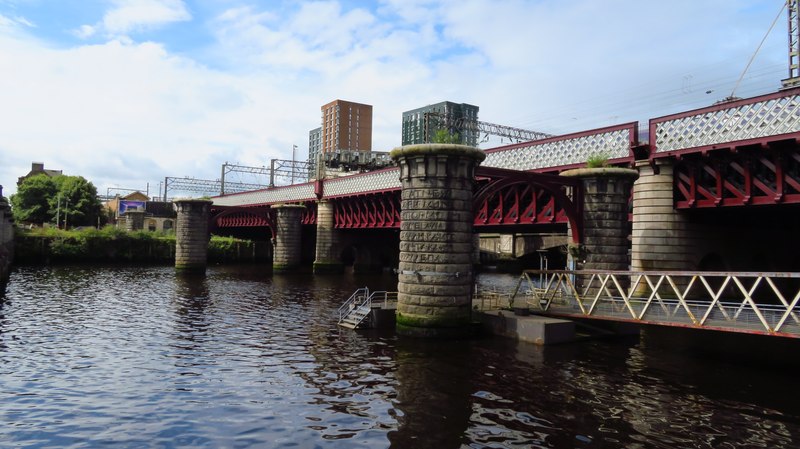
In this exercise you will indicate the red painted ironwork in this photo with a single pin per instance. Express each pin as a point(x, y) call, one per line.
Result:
point(378, 210)
point(309, 216)
point(257, 216)
point(518, 204)
point(228, 217)
point(752, 175)
point(511, 197)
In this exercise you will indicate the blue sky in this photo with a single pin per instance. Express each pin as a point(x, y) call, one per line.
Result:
point(126, 92)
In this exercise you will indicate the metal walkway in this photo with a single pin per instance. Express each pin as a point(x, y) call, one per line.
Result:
point(755, 303)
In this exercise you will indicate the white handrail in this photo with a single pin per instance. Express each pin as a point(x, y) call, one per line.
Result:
point(354, 302)
point(754, 302)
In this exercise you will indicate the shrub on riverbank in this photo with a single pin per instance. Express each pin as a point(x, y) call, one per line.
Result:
point(109, 244)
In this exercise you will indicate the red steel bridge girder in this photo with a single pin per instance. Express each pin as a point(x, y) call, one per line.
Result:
point(519, 204)
point(256, 216)
point(742, 176)
point(378, 210)
point(513, 197)
point(504, 198)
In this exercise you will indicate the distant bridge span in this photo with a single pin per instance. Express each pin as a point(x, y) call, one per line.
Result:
point(372, 200)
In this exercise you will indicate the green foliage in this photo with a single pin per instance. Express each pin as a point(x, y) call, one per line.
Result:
point(228, 248)
point(445, 136)
point(41, 199)
point(31, 203)
point(597, 160)
point(79, 203)
point(92, 245)
point(110, 244)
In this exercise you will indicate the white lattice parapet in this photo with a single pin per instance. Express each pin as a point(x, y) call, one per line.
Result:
point(568, 150)
point(740, 121)
point(387, 179)
point(294, 193)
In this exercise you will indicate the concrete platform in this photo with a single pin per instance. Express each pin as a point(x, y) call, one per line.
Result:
point(531, 328)
point(382, 317)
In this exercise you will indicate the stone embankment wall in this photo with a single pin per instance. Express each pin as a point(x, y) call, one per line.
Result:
point(6, 239)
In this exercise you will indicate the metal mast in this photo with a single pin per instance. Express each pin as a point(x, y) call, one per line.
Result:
point(438, 120)
point(794, 43)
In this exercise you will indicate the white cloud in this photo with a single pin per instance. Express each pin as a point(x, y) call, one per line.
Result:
point(9, 23)
point(84, 32)
point(24, 21)
point(131, 16)
point(134, 15)
point(123, 113)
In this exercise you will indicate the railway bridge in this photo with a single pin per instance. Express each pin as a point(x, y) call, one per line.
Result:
point(718, 188)
point(715, 190)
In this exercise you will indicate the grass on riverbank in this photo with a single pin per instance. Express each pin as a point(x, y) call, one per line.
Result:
point(110, 244)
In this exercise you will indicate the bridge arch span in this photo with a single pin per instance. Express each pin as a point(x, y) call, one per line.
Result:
point(229, 217)
point(501, 180)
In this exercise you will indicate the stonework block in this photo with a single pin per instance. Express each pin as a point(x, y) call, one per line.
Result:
point(436, 226)
point(436, 215)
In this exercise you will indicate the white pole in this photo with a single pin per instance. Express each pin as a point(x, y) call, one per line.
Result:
point(294, 147)
point(58, 212)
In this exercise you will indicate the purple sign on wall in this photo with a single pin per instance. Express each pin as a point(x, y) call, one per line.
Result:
point(125, 205)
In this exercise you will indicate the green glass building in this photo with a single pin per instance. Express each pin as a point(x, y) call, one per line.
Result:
point(420, 125)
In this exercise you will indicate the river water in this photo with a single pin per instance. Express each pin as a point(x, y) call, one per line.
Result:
point(130, 357)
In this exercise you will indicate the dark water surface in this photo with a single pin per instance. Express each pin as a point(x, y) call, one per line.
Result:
point(140, 357)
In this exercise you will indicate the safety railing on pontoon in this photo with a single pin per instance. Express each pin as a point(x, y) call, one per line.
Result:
point(753, 302)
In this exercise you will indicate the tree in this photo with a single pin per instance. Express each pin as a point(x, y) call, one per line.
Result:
point(445, 136)
point(39, 199)
point(79, 203)
point(31, 203)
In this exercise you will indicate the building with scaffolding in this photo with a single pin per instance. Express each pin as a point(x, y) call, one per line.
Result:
point(420, 125)
point(346, 132)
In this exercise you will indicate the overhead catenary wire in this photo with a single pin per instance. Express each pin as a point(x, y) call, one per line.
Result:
point(753, 57)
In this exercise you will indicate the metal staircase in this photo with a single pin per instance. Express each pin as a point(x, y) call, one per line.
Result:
point(356, 309)
point(355, 312)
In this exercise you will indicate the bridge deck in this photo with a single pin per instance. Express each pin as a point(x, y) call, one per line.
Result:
point(565, 151)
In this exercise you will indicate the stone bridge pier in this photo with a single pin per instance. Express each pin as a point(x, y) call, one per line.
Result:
point(134, 220)
point(287, 254)
point(191, 235)
point(435, 273)
point(605, 219)
point(327, 244)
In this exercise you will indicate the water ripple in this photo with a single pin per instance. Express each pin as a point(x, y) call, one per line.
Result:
point(141, 357)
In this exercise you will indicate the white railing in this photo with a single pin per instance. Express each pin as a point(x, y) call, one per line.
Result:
point(354, 302)
point(737, 121)
point(362, 298)
point(572, 149)
point(387, 300)
point(755, 302)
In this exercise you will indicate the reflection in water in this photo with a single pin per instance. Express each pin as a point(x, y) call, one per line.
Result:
point(433, 393)
point(142, 357)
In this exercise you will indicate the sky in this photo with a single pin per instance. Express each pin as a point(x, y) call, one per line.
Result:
point(128, 92)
